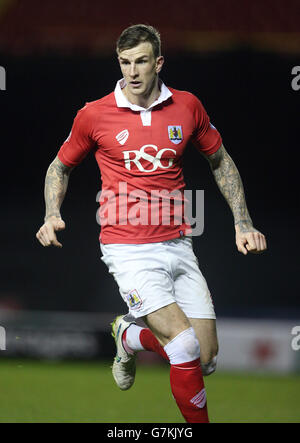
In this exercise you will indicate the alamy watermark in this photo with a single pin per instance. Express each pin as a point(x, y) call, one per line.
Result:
point(295, 340)
point(152, 207)
point(2, 79)
point(296, 80)
point(2, 339)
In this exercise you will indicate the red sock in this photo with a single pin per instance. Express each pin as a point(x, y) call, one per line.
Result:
point(186, 381)
point(149, 342)
point(189, 392)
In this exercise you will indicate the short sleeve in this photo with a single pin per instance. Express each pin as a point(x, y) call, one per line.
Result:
point(79, 142)
point(205, 136)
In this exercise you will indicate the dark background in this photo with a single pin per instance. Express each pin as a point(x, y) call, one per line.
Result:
point(239, 67)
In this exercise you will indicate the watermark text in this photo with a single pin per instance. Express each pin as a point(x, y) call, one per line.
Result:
point(2, 79)
point(152, 207)
point(296, 79)
point(2, 339)
point(295, 340)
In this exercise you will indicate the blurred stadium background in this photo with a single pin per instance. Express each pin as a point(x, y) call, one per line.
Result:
point(56, 305)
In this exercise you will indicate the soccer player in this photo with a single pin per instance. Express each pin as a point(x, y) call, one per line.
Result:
point(138, 134)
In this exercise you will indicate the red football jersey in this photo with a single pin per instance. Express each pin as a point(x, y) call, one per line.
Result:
point(139, 152)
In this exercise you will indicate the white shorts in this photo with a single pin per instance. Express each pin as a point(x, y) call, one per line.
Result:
point(153, 275)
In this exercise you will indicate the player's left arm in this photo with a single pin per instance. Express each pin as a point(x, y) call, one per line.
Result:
point(230, 184)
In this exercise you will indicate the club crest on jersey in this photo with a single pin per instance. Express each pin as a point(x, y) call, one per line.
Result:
point(133, 299)
point(175, 134)
point(122, 136)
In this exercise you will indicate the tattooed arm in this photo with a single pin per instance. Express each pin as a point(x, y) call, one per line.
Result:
point(230, 184)
point(56, 184)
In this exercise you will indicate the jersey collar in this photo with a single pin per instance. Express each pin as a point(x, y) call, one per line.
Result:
point(122, 101)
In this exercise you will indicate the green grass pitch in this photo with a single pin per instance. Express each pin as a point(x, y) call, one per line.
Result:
point(84, 392)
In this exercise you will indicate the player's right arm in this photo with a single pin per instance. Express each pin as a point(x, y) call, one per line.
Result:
point(56, 184)
point(78, 144)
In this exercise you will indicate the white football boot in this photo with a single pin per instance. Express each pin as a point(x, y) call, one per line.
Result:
point(124, 366)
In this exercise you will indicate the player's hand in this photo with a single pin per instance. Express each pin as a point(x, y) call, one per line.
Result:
point(46, 235)
point(250, 241)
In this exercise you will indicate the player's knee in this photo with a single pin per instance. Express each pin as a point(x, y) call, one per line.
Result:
point(210, 367)
point(183, 348)
point(191, 345)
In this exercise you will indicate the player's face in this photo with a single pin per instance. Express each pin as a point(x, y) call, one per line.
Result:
point(140, 68)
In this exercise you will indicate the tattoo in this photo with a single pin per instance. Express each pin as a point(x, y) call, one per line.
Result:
point(56, 184)
point(230, 184)
point(245, 225)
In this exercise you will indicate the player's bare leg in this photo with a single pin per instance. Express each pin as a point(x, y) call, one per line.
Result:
point(206, 333)
point(167, 322)
point(144, 339)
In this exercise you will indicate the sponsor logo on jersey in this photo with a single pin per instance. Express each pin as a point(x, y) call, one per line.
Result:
point(122, 136)
point(134, 301)
point(135, 156)
point(175, 134)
